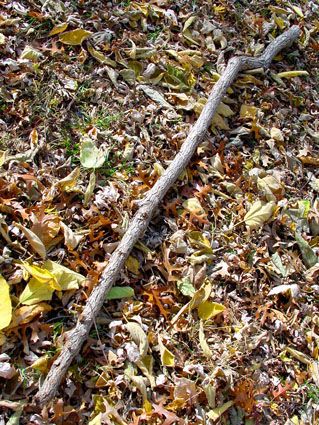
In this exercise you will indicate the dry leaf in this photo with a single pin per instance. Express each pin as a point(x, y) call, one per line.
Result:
point(258, 214)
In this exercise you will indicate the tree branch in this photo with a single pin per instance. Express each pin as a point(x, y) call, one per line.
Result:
point(139, 223)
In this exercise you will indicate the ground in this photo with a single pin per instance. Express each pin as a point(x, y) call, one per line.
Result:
point(215, 317)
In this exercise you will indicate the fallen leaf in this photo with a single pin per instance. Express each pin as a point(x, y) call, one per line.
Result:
point(293, 289)
point(119, 292)
point(5, 304)
point(258, 214)
point(34, 240)
point(208, 309)
point(202, 341)
point(75, 37)
point(138, 336)
point(57, 29)
point(167, 358)
point(216, 413)
point(308, 255)
point(90, 155)
point(292, 74)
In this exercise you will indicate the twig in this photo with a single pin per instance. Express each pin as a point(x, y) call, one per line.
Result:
point(76, 337)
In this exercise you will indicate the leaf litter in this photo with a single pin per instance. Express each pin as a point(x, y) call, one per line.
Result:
point(215, 317)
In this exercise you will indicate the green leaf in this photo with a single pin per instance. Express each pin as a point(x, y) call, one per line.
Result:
point(119, 292)
point(186, 287)
point(308, 255)
point(276, 260)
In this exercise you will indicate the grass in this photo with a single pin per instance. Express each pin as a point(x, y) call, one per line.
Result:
point(152, 36)
point(312, 392)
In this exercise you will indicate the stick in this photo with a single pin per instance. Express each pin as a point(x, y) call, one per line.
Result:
point(150, 203)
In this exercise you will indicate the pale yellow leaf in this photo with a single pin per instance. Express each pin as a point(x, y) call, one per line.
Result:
point(258, 214)
point(193, 205)
point(41, 364)
point(35, 292)
point(90, 189)
point(276, 134)
point(70, 181)
point(214, 414)
point(100, 57)
point(209, 309)
point(57, 29)
point(292, 74)
point(5, 303)
point(34, 240)
point(138, 336)
point(202, 341)
point(167, 358)
point(66, 278)
point(248, 111)
point(297, 10)
point(200, 296)
point(75, 37)
point(31, 54)
point(71, 239)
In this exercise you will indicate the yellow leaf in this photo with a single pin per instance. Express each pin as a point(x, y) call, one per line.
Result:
point(59, 28)
point(35, 292)
point(70, 181)
point(5, 304)
point(34, 240)
point(258, 214)
point(132, 264)
point(100, 57)
point(75, 37)
point(3, 157)
point(31, 54)
point(193, 205)
point(200, 296)
point(202, 341)
point(167, 358)
point(67, 279)
point(41, 364)
point(41, 274)
point(248, 111)
point(297, 10)
point(208, 309)
point(214, 414)
point(138, 336)
point(292, 74)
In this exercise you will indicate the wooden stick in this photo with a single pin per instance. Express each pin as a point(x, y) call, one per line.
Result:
point(139, 223)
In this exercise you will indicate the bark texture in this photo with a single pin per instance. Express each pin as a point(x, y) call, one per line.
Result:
point(76, 337)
